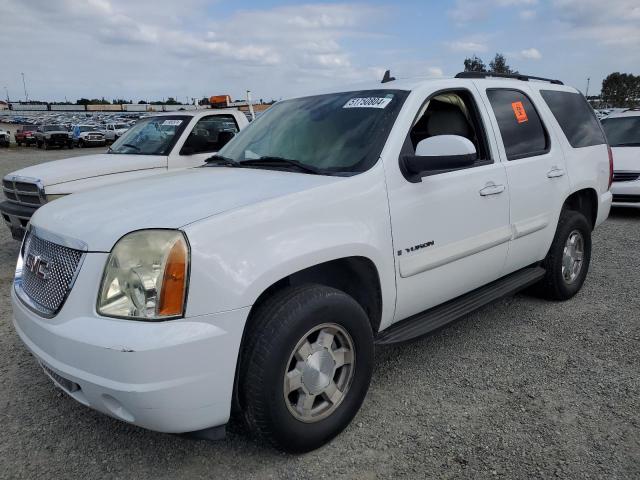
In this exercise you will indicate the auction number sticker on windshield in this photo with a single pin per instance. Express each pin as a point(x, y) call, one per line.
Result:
point(172, 123)
point(368, 102)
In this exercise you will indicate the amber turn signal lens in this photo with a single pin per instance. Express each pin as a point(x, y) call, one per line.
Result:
point(174, 280)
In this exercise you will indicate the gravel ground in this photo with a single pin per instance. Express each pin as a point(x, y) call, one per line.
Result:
point(520, 389)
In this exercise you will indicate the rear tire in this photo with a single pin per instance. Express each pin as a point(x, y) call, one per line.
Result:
point(306, 366)
point(567, 262)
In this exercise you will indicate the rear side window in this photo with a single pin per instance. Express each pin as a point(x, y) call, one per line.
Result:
point(576, 118)
point(523, 134)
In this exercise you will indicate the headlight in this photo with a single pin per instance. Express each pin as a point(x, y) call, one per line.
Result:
point(146, 276)
point(51, 198)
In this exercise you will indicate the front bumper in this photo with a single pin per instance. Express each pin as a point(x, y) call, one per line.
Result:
point(16, 217)
point(175, 376)
point(58, 141)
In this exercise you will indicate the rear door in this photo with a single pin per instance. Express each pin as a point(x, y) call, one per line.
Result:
point(535, 166)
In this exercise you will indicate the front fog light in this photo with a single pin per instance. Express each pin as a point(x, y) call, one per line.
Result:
point(146, 276)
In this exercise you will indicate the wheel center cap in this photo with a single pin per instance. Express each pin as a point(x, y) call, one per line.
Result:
point(318, 371)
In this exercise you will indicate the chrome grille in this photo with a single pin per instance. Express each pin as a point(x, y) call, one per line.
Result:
point(620, 176)
point(23, 191)
point(48, 272)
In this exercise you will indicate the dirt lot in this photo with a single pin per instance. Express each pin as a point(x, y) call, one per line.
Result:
point(520, 389)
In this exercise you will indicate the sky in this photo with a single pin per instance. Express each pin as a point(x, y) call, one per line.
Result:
point(155, 49)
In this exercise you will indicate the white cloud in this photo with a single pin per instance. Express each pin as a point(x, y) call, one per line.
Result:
point(611, 23)
point(466, 46)
point(468, 11)
point(435, 72)
point(531, 53)
point(144, 46)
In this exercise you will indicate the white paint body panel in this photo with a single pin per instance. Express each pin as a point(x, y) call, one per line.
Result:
point(250, 228)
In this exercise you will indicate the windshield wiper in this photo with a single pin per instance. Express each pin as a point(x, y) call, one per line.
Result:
point(627, 144)
point(268, 161)
point(221, 160)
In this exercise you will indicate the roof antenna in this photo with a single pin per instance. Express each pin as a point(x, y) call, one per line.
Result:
point(387, 77)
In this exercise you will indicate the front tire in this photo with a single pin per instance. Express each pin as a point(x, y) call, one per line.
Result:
point(567, 262)
point(306, 366)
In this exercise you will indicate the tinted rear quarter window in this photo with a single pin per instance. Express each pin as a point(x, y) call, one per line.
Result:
point(523, 134)
point(575, 116)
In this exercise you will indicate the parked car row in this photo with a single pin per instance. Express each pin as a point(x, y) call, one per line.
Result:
point(154, 145)
point(261, 282)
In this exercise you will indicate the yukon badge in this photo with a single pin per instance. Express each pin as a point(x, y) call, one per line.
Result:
point(430, 243)
point(38, 265)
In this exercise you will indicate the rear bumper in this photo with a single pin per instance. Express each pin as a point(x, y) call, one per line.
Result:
point(172, 377)
point(16, 217)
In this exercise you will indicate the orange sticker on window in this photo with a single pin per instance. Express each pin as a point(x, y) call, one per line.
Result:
point(520, 113)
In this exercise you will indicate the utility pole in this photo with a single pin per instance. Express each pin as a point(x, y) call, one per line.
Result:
point(250, 102)
point(24, 85)
point(7, 92)
point(587, 92)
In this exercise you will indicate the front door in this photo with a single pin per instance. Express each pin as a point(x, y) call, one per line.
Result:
point(451, 230)
point(207, 136)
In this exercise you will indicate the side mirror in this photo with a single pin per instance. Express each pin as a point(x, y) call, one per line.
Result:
point(438, 154)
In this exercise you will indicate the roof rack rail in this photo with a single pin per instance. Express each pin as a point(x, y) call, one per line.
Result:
point(515, 76)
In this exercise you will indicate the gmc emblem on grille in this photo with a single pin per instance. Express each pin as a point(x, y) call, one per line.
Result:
point(38, 265)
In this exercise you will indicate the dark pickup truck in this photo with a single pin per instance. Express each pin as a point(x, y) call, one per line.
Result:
point(53, 135)
point(26, 135)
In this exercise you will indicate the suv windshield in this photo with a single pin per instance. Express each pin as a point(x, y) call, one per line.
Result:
point(53, 128)
point(119, 126)
point(622, 131)
point(151, 136)
point(335, 133)
point(87, 128)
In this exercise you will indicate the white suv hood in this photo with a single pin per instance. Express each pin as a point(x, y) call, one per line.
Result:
point(172, 200)
point(88, 166)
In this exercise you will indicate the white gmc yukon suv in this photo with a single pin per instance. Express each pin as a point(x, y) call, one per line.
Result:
point(153, 145)
point(262, 281)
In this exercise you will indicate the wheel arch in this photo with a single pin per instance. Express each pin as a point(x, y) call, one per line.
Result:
point(584, 201)
point(357, 276)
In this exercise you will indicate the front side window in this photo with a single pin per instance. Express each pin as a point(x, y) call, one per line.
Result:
point(521, 129)
point(622, 131)
point(451, 113)
point(151, 136)
point(339, 133)
point(210, 134)
point(575, 117)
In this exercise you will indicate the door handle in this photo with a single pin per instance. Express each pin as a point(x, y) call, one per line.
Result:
point(492, 190)
point(555, 172)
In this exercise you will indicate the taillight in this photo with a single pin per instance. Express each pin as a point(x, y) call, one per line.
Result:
point(610, 165)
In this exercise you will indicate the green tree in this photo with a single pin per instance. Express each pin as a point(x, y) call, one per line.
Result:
point(499, 65)
point(474, 64)
point(621, 90)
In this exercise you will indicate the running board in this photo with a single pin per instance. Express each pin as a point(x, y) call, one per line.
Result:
point(429, 320)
